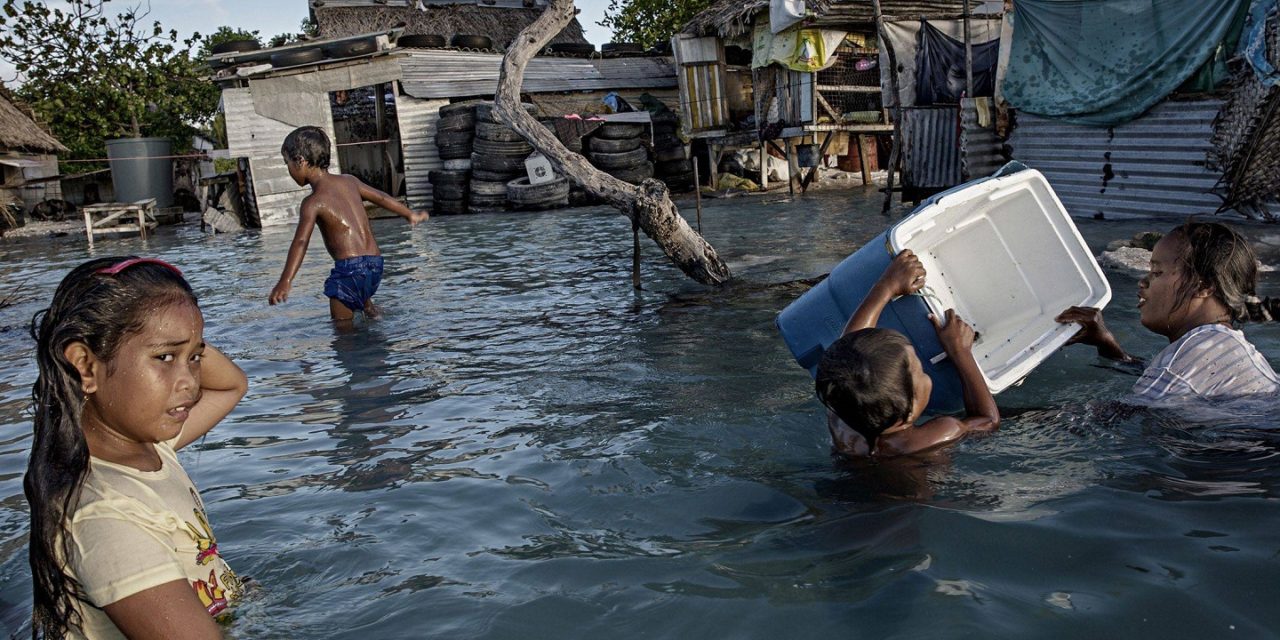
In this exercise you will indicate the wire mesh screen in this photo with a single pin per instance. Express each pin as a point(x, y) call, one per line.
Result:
point(850, 88)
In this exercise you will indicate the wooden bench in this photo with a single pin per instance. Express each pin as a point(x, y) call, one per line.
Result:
point(120, 217)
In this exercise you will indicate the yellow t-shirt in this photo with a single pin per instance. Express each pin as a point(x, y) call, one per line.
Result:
point(133, 530)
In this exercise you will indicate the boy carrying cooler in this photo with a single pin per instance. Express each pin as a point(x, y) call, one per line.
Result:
point(336, 205)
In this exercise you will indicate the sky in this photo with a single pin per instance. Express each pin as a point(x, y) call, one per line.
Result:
point(270, 17)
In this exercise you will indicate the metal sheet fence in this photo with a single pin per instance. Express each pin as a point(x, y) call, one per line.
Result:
point(931, 149)
point(1155, 165)
point(418, 119)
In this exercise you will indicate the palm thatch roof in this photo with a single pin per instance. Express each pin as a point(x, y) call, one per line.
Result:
point(729, 18)
point(19, 132)
point(500, 24)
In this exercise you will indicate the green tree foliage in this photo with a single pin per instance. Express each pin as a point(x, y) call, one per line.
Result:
point(648, 22)
point(94, 76)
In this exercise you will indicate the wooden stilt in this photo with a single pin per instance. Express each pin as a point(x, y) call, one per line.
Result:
point(635, 254)
point(697, 196)
point(897, 105)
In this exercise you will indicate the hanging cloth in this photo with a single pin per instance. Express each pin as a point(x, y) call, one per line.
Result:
point(1253, 46)
point(796, 49)
point(1105, 62)
point(784, 13)
point(940, 73)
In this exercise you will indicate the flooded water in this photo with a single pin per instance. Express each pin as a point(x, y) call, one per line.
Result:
point(527, 448)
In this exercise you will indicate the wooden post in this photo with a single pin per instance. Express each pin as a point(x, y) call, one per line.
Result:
point(791, 169)
point(697, 195)
point(764, 167)
point(647, 205)
point(88, 225)
point(864, 158)
point(897, 105)
point(635, 254)
point(968, 54)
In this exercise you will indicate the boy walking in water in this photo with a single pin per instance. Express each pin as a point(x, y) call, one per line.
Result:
point(336, 205)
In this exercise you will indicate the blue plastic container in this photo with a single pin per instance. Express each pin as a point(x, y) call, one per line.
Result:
point(1002, 251)
point(816, 319)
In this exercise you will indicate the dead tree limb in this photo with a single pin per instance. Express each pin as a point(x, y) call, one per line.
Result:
point(648, 205)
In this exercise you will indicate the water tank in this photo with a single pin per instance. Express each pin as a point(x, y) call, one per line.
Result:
point(142, 168)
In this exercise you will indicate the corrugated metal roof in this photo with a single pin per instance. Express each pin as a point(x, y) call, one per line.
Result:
point(931, 153)
point(442, 73)
point(1154, 165)
point(417, 119)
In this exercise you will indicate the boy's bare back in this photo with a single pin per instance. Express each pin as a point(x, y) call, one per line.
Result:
point(337, 206)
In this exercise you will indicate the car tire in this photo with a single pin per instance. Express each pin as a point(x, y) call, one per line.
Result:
point(234, 46)
point(521, 191)
point(460, 122)
point(466, 41)
point(351, 49)
point(624, 160)
point(296, 58)
point(422, 41)
point(519, 149)
point(497, 133)
point(606, 145)
point(620, 130)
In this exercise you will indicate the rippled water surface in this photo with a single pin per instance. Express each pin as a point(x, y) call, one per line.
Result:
point(527, 448)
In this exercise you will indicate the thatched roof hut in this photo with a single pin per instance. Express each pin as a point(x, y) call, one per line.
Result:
point(19, 132)
point(498, 23)
point(731, 18)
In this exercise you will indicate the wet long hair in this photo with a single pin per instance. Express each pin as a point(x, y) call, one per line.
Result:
point(1215, 256)
point(100, 311)
point(865, 378)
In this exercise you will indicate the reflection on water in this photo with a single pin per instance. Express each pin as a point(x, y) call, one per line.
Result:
point(527, 447)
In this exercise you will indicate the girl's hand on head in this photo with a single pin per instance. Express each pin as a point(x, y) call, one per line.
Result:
point(956, 335)
point(905, 275)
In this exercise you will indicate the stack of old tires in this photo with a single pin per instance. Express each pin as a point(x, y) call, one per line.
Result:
point(671, 155)
point(454, 139)
point(617, 148)
point(497, 157)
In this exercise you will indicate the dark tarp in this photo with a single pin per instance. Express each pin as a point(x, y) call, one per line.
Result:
point(940, 76)
point(1105, 62)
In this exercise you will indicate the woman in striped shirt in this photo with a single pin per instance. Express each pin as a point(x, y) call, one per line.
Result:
point(1200, 287)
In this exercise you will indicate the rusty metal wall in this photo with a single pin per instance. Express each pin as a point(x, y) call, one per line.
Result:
point(931, 147)
point(417, 120)
point(1154, 165)
point(980, 147)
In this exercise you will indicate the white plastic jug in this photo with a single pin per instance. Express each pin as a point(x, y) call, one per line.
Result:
point(539, 169)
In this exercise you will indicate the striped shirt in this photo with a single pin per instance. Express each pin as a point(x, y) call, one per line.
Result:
point(1210, 362)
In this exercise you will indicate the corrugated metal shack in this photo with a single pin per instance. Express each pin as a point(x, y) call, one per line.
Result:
point(841, 108)
point(1182, 157)
point(28, 159)
point(381, 108)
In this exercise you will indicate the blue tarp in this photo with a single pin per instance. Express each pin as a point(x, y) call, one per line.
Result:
point(940, 71)
point(1253, 46)
point(1105, 62)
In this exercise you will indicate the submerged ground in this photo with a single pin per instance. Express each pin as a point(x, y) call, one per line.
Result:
point(526, 447)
